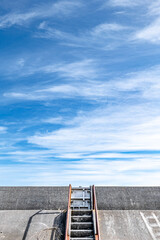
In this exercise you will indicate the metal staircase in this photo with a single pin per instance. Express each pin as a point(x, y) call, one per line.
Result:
point(81, 198)
point(82, 220)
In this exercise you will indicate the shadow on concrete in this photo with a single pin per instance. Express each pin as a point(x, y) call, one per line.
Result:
point(58, 227)
point(28, 225)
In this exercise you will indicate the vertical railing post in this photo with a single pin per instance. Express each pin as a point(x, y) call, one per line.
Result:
point(68, 216)
point(95, 215)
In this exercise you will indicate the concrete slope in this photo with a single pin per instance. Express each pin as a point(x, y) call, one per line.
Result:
point(32, 225)
point(129, 225)
point(108, 198)
point(128, 198)
point(28, 198)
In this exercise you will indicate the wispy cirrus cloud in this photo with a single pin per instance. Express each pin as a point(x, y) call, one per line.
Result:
point(90, 90)
point(133, 124)
point(106, 129)
point(45, 11)
point(103, 28)
point(97, 37)
point(86, 68)
point(124, 3)
point(53, 120)
point(141, 171)
point(143, 84)
point(154, 8)
point(82, 69)
point(86, 96)
point(3, 129)
point(128, 3)
point(150, 33)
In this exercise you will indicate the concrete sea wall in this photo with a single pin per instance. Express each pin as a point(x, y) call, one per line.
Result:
point(28, 198)
point(128, 198)
point(124, 213)
point(108, 198)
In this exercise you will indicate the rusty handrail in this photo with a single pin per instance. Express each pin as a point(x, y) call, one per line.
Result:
point(67, 236)
point(97, 233)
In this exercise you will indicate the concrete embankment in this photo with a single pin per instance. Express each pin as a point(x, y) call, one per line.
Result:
point(128, 198)
point(28, 198)
point(129, 213)
point(125, 213)
point(108, 198)
point(32, 224)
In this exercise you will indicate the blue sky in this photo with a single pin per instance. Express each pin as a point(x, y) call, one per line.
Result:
point(80, 92)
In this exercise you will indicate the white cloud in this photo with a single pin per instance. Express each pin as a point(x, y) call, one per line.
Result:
point(55, 120)
point(45, 11)
point(13, 18)
point(78, 70)
point(20, 62)
point(125, 3)
point(125, 127)
point(107, 27)
point(96, 37)
point(3, 129)
point(154, 8)
point(146, 82)
point(150, 33)
point(143, 85)
point(85, 172)
point(91, 90)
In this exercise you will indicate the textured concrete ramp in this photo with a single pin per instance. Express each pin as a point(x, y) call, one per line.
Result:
point(125, 213)
point(128, 198)
point(129, 225)
point(28, 198)
point(32, 225)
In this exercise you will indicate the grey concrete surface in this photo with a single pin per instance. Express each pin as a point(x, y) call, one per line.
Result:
point(128, 198)
point(125, 213)
point(28, 198)
point(127, 225)
point(32, 225)
point(108, 198)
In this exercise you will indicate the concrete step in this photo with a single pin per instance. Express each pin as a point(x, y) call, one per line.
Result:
point(82, 225)
point(81, 213)
point(82, 233)
point(86, 218)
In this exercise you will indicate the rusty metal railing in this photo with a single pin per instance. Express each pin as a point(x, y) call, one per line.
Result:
point(95, 215)
point(68, 216)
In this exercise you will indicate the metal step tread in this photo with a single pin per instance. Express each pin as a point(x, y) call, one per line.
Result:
point(81, 219)
point(80, 198)
point(79, 208)
point(81, 213)
point(81, 216)
point(82, 238)
point(82, 226)
point(82, 223)
point(82, 230)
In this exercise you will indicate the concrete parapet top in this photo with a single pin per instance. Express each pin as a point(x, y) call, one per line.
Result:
point(28, 198)
point(108, 198)
point(128, 198)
